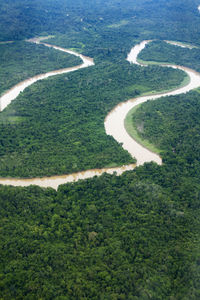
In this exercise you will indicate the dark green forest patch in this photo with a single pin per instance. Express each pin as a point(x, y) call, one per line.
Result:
point(111, 237)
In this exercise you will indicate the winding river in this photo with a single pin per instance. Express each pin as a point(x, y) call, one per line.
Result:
point(12, 94)
point(114, 122)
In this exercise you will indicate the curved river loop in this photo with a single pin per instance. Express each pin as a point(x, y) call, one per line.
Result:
point(114, 122)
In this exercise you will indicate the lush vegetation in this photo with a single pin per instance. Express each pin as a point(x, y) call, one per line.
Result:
point(177, 19)
point(133, 130)
point(159, 51)
point(21, 60)
point(172, 124)
point(57, 126)
point(130, 237)
point(117, 26)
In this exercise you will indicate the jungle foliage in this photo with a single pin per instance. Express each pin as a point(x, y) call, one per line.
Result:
point(135, 236)
point(160, 51)
point(132, 237)
point(173, 125)
point(57, 125)
point(177, 19)
point(22, 60)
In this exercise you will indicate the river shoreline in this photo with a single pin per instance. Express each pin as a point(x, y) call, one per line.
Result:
point(12, 93)
point(114, 121)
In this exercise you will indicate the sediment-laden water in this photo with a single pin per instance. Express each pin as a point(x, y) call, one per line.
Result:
point(114, 122)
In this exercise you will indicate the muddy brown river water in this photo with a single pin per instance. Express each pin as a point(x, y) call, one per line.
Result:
point(114, 122)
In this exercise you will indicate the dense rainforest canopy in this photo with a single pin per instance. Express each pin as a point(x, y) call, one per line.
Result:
point(134, 236)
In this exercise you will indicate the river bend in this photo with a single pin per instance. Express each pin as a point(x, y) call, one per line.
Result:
point(114, 122)
point(12, 94)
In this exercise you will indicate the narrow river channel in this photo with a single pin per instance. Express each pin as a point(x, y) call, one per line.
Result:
point(114, 122)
